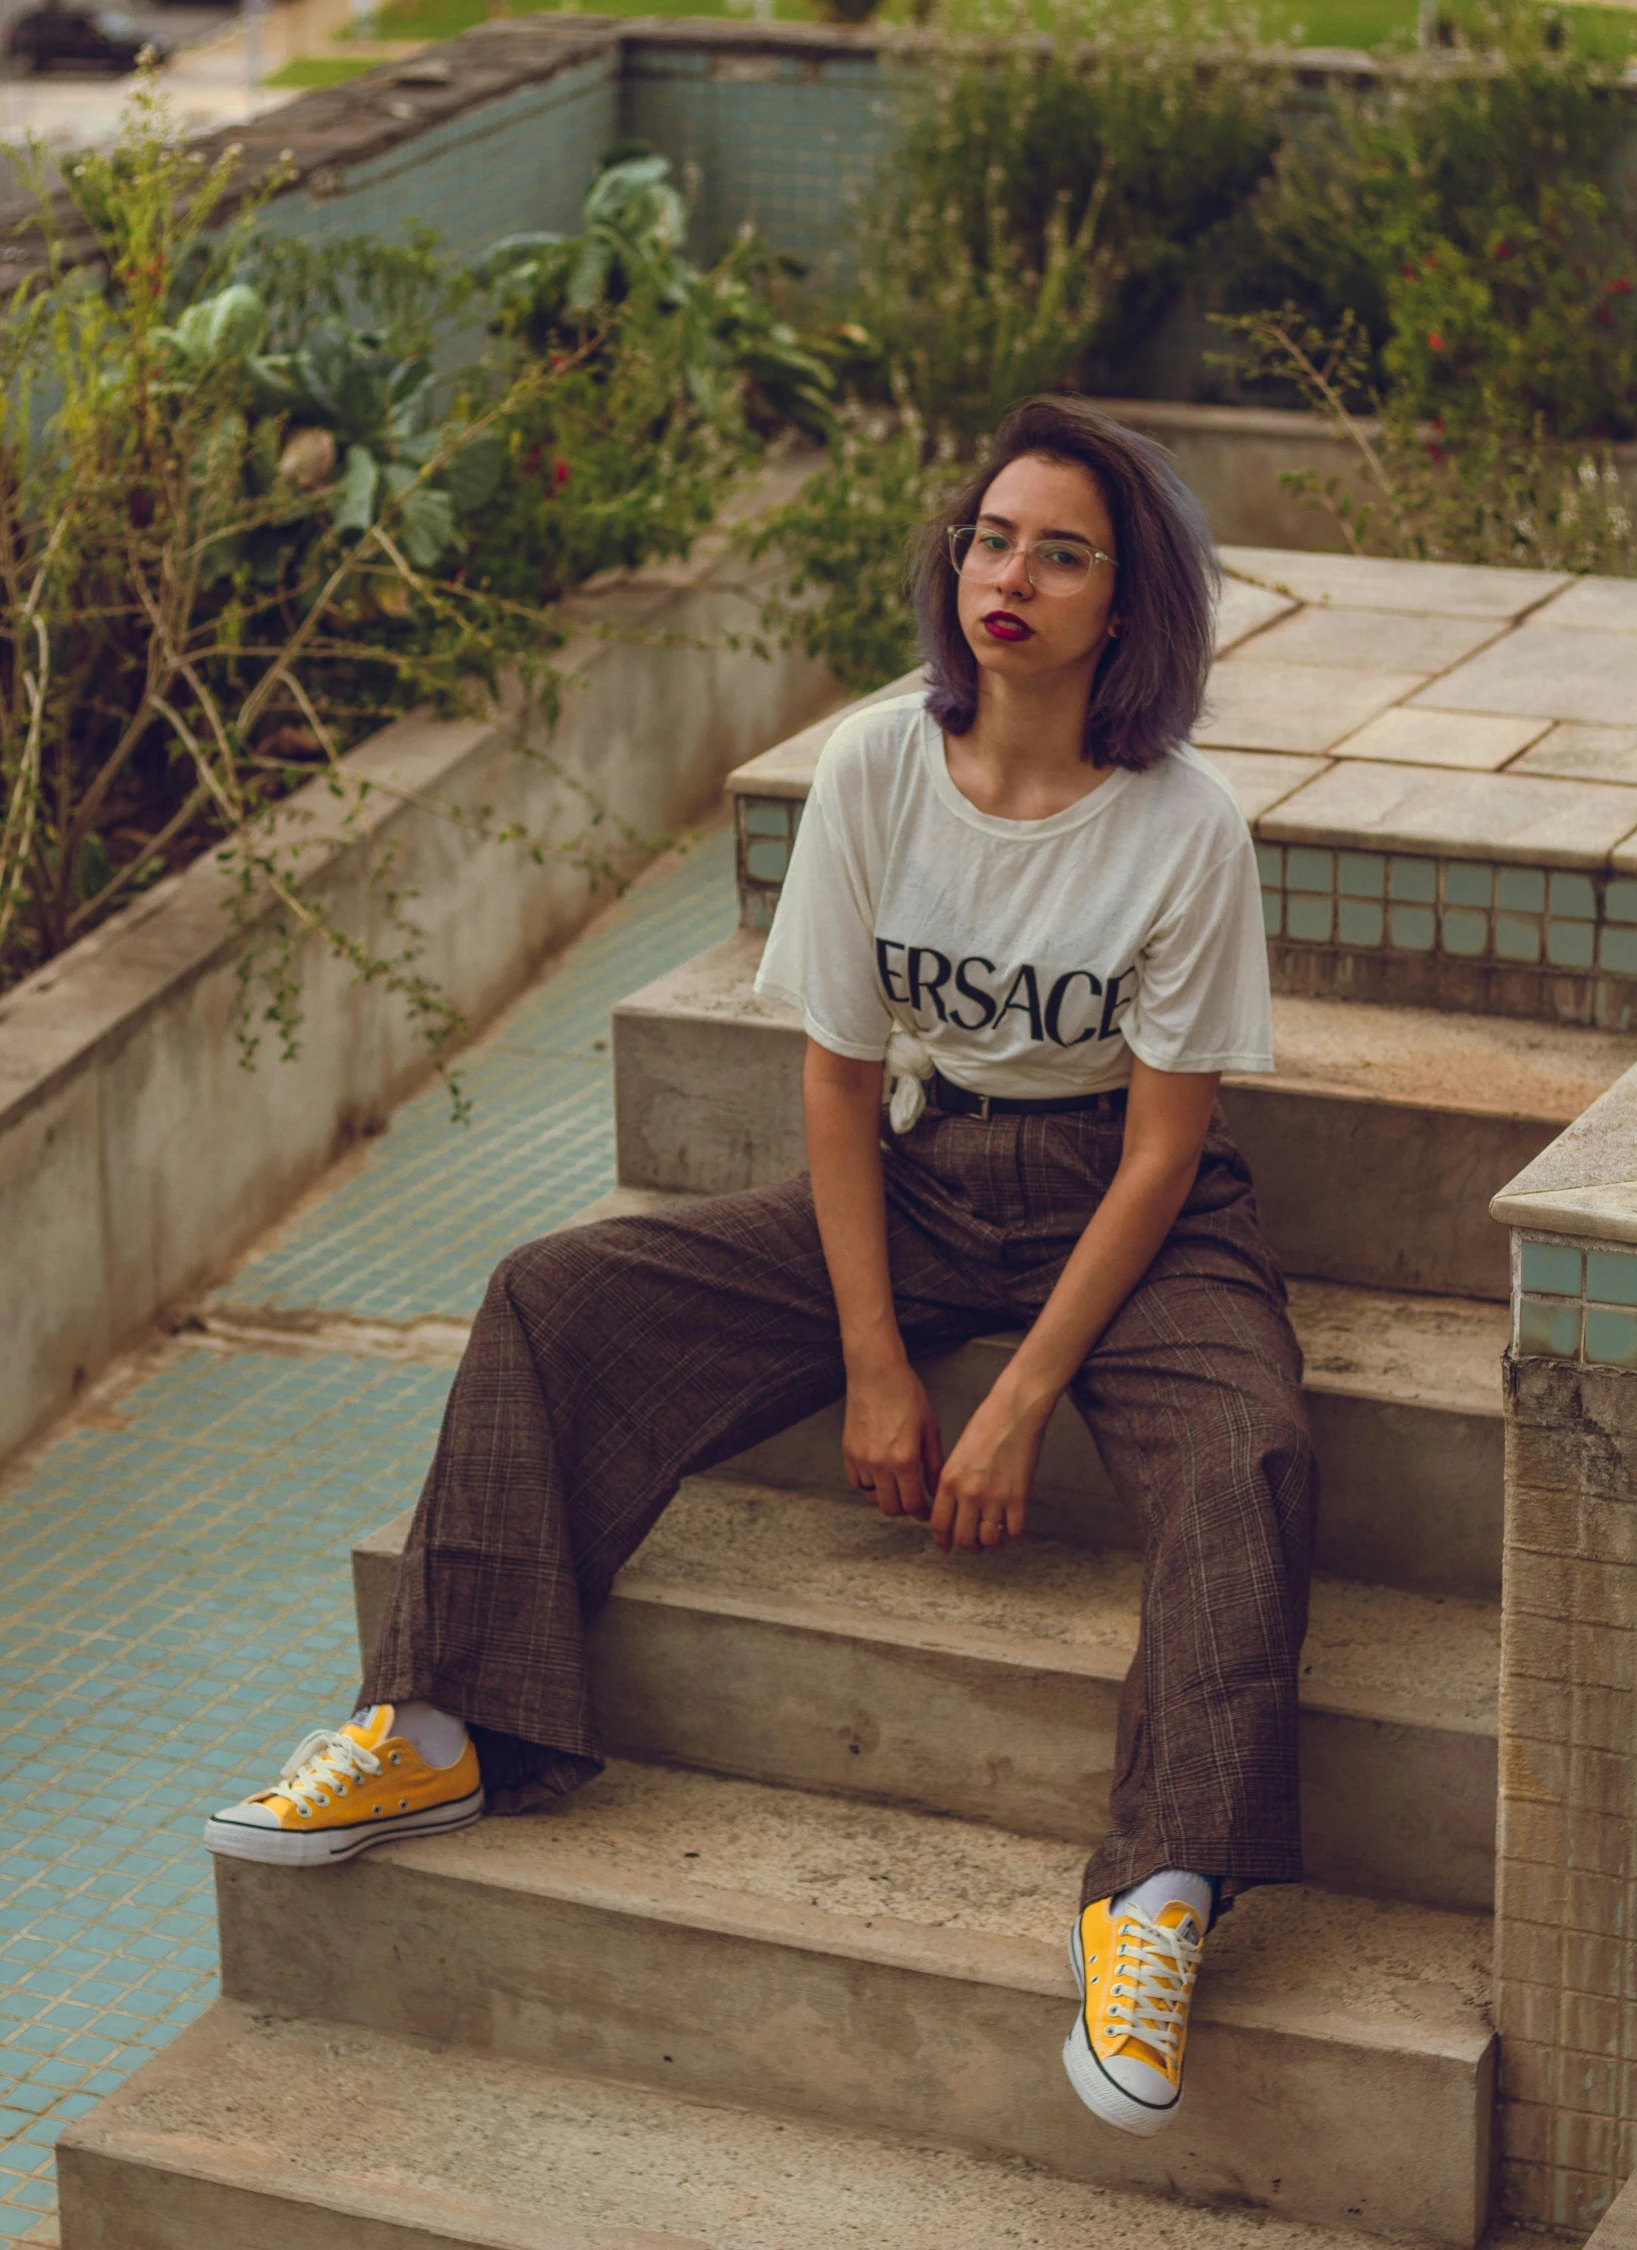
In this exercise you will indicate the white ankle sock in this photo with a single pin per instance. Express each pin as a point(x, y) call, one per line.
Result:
point(432, 1733)
point(1168, 1886)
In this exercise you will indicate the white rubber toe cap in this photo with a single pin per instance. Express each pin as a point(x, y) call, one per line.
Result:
point(248, 1815)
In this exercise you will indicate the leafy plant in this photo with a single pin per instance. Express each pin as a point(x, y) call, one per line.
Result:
point(197, 610)
point(1475, 219)
point(1490, 494)
point(668, 379)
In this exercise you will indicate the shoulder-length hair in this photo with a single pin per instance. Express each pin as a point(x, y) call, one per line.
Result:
point(1150, 686)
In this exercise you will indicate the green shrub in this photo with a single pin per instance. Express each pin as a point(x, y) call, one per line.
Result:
point(1476, 218)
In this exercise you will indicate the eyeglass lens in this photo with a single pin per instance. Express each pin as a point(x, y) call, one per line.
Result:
point(1055, 566)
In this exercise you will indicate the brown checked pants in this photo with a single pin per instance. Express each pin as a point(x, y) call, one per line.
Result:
point(610, 1361)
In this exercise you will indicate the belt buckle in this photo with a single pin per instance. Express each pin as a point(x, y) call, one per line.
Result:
point(983, 1109)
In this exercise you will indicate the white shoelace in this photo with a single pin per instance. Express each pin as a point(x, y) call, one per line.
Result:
point(1152, 1981)
point(321, 1766)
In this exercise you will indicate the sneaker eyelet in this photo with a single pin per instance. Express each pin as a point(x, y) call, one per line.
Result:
point(306, 1811)
point(403, 1804)
point(393, 1757)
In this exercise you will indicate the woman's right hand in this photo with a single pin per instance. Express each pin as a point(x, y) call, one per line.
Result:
point(890, 1441)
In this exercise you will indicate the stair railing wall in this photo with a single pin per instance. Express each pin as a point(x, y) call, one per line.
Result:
point(1566, 1920)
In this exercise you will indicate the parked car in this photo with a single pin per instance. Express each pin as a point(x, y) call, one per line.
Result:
point(57, 37)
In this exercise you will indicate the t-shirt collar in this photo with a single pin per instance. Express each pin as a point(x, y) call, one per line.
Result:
point(931, 742)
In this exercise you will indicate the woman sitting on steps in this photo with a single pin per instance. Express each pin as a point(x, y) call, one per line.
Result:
point(1023, 895)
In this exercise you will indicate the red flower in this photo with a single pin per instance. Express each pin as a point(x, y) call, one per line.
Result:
point(1435, 342)
point(1410, 274)
point(1503, 249)
point(559, 471)
point(1620, 288)
point(1605, 316)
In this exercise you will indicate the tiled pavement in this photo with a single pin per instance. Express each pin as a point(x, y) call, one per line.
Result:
point(175, 1608)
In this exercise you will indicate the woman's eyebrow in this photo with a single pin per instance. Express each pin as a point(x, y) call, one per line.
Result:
point(1005, 523)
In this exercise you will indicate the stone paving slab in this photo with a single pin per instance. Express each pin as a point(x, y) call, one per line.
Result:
point(1261, 779)
point(1582, 753)
point(1375, 639)
point(1547, 672)
point(1414, 588)
point(1244, 609)
point(1518, 817)
point(1257, 705)
point(1597, 605)
point(1462, 739)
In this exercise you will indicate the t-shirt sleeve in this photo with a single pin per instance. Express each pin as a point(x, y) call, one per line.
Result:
point(820, 953)
point(1202, 999)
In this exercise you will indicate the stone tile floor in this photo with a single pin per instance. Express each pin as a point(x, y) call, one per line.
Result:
point(175, 1602)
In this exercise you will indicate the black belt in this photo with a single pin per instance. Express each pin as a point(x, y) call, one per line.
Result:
point(956, 1101)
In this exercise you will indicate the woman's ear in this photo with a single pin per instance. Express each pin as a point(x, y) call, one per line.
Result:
point(1114, 628)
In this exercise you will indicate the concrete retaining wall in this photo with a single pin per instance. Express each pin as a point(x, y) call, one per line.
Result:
point(137, 1154)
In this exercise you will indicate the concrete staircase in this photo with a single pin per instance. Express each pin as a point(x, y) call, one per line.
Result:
point(791, 1975)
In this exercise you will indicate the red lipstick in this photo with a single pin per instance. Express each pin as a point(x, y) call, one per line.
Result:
point(1003, 625)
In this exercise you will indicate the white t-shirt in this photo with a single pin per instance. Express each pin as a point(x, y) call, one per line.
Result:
point(1031, 957)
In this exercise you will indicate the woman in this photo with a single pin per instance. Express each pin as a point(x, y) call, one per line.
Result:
point(1025, 894)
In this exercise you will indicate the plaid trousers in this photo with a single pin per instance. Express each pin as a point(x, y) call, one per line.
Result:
point(610, 1361)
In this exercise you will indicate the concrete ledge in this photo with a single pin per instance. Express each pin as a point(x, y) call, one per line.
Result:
point(1617, 2229)
point(137, 1154)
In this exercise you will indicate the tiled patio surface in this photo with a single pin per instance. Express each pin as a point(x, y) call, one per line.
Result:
point(175, 1606)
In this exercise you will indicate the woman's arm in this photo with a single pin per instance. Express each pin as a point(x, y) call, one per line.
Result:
point(991, 1468)
point(890, 1441)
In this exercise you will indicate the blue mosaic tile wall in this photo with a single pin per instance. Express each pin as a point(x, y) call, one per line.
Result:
point(175, 1596)
point(1577, 1301)
point(1532, 917)
point(523, 161)
point(784, 140)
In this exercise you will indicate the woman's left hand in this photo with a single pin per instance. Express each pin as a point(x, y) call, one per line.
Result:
point(983, 1494)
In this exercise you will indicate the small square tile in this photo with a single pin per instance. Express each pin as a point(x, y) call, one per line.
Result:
point(767, 818)
point(767, 861)
point(1466, 932)
point(1611, 1276)
point(1469, 883)
point(1517, 938)
point(1270, 867)
point(1551, 1269)
point(1611, 1337)
point(1308, 918)
point(1273, 915)
point(1522, 890)
point(1359, 922)
point(1360, 874)
point(1569, 945)
point(1412, 929)
point(1308, 870)
point(1573, 896)
point(1547, 1330)
point(1620, 900)
point(1416, 881)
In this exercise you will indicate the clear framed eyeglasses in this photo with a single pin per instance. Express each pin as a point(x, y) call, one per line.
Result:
point(980, 552)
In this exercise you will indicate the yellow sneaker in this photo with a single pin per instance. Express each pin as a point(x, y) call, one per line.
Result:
point(344, 1790)
point(1136, 1976)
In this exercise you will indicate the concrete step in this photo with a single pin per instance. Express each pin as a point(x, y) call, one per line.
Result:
point(274, 2135)
point(855, 1964)
point(793, 1638)
point(1404, 1394)
point(1376, 1147)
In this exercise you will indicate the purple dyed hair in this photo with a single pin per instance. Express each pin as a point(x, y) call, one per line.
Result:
point(1150, 686)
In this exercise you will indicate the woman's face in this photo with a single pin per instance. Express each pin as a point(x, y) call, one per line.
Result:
point(1011, 627)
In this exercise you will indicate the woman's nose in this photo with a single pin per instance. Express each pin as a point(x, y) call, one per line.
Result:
point(1014, 576)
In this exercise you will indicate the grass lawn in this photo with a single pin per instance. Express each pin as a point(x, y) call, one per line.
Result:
point(1607, 31)
point(308, 72)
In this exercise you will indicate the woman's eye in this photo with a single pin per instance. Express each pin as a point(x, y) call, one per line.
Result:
point(992, 542)
point(1063, 558)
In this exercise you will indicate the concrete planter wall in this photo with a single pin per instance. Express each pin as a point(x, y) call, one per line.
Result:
point(137, 1154)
